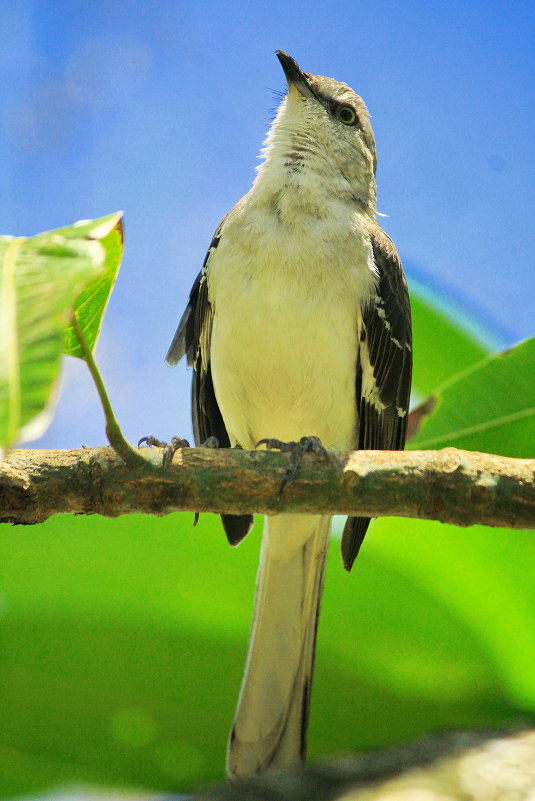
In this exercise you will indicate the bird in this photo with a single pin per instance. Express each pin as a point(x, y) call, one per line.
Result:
point(298, 329)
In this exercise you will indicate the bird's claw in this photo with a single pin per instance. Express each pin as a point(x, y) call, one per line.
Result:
point(211, 442)
point(151, 442)
point(169, 448)
point(296, 451)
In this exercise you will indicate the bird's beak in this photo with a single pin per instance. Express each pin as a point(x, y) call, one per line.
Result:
point(294, 74)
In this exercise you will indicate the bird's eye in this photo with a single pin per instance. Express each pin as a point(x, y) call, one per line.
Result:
point(347, 115)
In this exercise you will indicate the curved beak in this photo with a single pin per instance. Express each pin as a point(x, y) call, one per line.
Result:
point(294, 74)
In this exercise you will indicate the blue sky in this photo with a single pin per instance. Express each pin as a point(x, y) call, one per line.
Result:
point(160, 108)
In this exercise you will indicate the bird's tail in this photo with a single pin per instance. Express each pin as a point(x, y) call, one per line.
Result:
point(270, 725)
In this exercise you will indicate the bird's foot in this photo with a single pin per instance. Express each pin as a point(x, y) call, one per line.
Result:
point(296, 450)
point(211, 442)
point(169, 448)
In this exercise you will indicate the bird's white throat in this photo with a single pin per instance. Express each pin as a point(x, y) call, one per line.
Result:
point(305, 166)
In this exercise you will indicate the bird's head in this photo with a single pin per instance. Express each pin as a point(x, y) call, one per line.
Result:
point(322, 129)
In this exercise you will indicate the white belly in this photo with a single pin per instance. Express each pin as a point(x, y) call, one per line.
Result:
point(284, 342)
point(285, 368)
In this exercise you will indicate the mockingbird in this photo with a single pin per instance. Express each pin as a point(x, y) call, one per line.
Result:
point(298, 329)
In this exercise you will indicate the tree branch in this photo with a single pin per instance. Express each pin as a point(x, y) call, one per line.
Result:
point(453, 486)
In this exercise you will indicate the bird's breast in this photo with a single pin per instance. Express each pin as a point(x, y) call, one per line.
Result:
point(285, 334)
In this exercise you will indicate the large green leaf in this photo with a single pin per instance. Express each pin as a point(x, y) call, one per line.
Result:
point(489, 407)
point(40, 280)
point(443, 346)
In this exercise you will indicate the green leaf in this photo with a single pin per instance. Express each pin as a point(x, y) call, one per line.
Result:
point(40, 279)
point(91, 303)
point(443, 345)
point(485, 579)
point(489, 407)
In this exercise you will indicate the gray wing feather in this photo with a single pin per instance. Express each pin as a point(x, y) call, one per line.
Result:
point(196, 316)
point(386, 348)
point(192, 339)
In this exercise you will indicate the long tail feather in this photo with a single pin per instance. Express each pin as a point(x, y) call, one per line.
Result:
point(270, 725)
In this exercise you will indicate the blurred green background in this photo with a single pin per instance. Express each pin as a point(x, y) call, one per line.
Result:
point(123, 641)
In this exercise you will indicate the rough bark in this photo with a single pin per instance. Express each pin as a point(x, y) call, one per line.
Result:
point(452, 486)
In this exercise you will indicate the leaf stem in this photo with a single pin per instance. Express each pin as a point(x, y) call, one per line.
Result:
point(115, 436)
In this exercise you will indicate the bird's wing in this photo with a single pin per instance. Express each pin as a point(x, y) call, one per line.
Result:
point(192, 339)
point(384, 370)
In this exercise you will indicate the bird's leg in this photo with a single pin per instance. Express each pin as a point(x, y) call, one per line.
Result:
point(296, 451)
point(169, 448)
